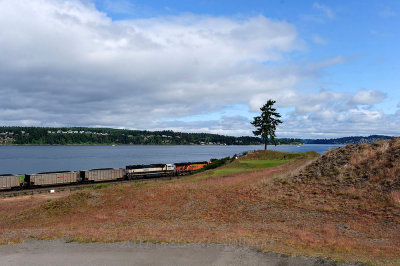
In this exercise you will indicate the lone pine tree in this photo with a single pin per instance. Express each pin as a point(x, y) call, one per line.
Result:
point(267, 122)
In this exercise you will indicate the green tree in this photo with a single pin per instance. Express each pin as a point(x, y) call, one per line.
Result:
point(266, 123)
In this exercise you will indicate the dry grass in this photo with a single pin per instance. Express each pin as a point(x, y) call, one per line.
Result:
point(295, 208)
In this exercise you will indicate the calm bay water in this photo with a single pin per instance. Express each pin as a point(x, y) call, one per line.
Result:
point(34, 159)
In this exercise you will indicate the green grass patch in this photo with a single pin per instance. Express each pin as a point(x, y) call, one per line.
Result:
point(100, 186)
point(76, 188)
point(277, 155)
point(239, 166)
point(228, 171)
point(262, 164)
point(252, 161)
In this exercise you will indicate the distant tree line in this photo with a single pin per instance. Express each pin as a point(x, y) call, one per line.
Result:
point(93, 136)
point(348, 140)
point(89, 136)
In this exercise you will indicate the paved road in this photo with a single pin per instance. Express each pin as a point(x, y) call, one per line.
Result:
point(58, 252)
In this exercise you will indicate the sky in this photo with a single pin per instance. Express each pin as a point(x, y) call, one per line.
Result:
point(202, 66)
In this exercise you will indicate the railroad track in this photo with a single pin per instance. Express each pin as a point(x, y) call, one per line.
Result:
point(73, 187)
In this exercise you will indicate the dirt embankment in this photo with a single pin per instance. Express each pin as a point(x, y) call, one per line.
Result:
point(375, 166)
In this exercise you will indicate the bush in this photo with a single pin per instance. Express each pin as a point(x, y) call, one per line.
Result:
point(214, 164)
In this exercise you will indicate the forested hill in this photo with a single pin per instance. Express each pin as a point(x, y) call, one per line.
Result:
point(89, 136)
point(84, 135)
point(348, 140)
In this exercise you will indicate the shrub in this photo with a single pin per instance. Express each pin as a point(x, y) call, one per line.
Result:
point(100, 186)
point(214, 164)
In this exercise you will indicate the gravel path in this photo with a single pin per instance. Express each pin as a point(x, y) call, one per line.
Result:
point(58, 252)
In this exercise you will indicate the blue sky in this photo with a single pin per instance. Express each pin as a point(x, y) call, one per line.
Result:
point(202, 66)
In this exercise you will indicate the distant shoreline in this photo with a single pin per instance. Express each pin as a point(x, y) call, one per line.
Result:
point(167, 144)
point(132, 145)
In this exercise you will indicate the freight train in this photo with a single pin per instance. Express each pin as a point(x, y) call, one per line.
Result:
point(130, 172)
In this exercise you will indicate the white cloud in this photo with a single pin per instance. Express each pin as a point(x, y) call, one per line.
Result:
point(227, 125)
point(362, 115)
point(318, 39)
point(387, 13)
point(367, 97)
point(327, 63)
point(325, 9)
point(327, 113)
point(69, 62)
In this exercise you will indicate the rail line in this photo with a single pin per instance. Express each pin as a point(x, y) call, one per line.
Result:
point(73, 187)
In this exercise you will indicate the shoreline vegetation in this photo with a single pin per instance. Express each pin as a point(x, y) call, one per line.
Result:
point(108, 136)
point(116, 144)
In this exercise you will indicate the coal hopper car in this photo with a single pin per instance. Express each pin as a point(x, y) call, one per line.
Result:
point(10, 181)
point(103, 174)
point(52, 178)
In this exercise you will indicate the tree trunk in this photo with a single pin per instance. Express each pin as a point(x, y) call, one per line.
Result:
point(266, 142)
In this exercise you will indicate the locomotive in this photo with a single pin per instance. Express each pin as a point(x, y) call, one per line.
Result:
point(130, 172)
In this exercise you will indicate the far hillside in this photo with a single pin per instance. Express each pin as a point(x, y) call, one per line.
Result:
point(348, 140)
point(107, 136)
point(104, 136)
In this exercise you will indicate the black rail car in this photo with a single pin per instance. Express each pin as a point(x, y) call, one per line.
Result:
point(102, 174)
point(52, 178)
point(11, 181)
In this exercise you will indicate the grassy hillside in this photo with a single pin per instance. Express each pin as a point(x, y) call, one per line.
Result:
point(344, 205)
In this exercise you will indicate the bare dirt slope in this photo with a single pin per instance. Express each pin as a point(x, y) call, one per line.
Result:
point(375, 167)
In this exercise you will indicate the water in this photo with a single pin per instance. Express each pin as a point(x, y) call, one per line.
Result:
point(34, 159)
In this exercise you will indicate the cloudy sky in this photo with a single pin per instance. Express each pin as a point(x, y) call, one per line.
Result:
point(202, 66)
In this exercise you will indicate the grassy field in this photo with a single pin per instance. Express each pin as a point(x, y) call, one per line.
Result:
point(256, 200)
point(241, 166)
